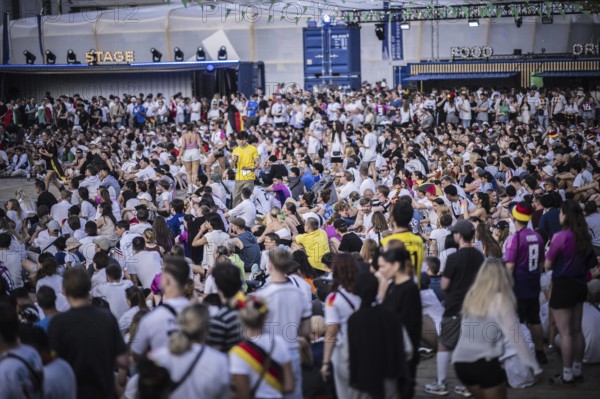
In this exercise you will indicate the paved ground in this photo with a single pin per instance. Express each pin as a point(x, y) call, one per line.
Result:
point(589, 389)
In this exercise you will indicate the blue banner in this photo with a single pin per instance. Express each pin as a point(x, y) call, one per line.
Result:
point(5, 40)
point(397, 48)
point(40, 37)
point(385, 49)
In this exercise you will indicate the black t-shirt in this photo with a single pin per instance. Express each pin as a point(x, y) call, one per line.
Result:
point(461, 268)
point(351, 243)
point(46, 198)
point(405, 300)
point(88, 338)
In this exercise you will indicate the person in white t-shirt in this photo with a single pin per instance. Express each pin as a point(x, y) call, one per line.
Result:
point(198, 369)
point(17, 361)
point(211, 236)
point(287, 308)
point(113, 291)
point(47, 275)
point(144, 265)
point(347, 185)
point(156, 326)
point(370, 154)
point(339, 306)
point(259, 343)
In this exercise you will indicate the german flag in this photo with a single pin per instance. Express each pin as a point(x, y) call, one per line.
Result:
point(256, 357)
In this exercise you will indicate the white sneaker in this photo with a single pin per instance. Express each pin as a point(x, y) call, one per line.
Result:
point(437, 389)
point(463, 391)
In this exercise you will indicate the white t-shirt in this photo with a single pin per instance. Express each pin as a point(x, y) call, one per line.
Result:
point(366, 184)
point(208, 380)
point(127, 317)
point(279, 354)
point(214, 239)
point(370, 142)
point(55, 282)
point(59, 380)
point(12, 261)
point(287, 309)
point(347, 189)
point(440, 236)
point(432, 307)
point(15, 378)
point(339, 306)
point(245, 210)
point(155, 327)
point(145, 265)
point(114, 294)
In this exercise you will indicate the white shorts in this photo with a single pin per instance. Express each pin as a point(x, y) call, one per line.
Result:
point(191, 155)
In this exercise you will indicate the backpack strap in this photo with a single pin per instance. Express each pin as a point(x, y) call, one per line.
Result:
point(37, 378)
point(347, 299)
point(185, 376)
point(170, 308)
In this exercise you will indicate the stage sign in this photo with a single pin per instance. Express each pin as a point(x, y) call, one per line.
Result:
point(127, 56)
point(396, 41)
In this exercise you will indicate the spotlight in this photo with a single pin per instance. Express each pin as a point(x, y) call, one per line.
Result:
point(29, 57)
point(210, 67)
point(71, 57)
point(543, 50)
point(547, 19)
point(327, 19)
point(50, 57)
point(519, 22)
point(380, 31)
point(222, 54)
point(178, 54)
point(156, 55)
point(405, 25)
point(200, 54)
point(93, 57)
point(473, 23)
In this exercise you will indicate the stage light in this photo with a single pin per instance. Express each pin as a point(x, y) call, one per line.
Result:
point(71, 57)
point(405, 25)
point(178, 54)
point(222, 54)
point(473, 23)
point(94, 57)
point(547, 19)
point(29, 57)
point(200, 54)
point(380, 31)
point(50, 57)
point(210, 67)
point(156, 55)
point(519, 22)
point(327, 19)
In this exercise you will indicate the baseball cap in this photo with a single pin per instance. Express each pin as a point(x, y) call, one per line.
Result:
point(463, 227)
point(340, 224)
point(53, 225)
point(144, 196)
point(72, 243)
point(103, 243)
point(549, 170)
point(239, 222)
point(502, 225)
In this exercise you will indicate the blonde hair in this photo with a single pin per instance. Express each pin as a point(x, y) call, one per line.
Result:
point(150, 236)
point(193, 325)
point(253, 312)
point(493, 283)
point(368, 250)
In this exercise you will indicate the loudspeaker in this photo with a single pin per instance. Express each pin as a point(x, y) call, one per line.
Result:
point(517, 51)
point(326, 182)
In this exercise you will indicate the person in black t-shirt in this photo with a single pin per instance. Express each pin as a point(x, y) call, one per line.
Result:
point(88, 338)
point(45, 197)
point(459, 274)
point(350, 241)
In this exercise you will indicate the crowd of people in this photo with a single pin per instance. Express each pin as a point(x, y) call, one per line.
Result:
point(299, 244)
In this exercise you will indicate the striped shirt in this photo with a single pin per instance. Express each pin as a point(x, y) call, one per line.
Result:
point(225, 329)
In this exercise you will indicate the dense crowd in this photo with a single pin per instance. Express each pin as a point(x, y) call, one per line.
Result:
point(299, 244)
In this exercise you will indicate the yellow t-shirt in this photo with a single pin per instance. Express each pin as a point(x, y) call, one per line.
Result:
point(246, 158)
point(414, 245)
point(316, 244)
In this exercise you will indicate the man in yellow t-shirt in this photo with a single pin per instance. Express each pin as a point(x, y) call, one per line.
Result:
point(245, 159)
point(315, 243)
point(402, 214)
